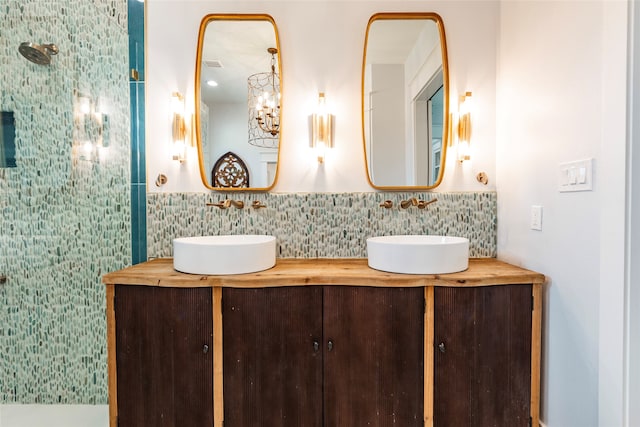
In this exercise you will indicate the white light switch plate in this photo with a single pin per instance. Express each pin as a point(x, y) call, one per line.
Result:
point(575, 176)
point(536, 217)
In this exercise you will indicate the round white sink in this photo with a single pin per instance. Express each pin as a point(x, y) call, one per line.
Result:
point(418, 254)
point(224, 254)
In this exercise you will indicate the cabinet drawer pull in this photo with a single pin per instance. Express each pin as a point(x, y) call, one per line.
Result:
point(316, 346)
point(441, 347)
point(330, 345)
point(205, 349)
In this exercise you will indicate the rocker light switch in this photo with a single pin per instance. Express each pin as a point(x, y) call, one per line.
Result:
point(575, 176)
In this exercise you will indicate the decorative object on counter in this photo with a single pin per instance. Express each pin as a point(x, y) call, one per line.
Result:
point(257, 204)
point(230, 171)
point(321, 129)
point(482, 178)
point(161, 180)
point(387, 204)
point(420, 204)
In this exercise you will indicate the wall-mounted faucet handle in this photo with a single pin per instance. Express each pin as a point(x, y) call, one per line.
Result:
point(404, 204)
point(257, 204)
point(387, 204)
point(222, 205)
point(422, 204)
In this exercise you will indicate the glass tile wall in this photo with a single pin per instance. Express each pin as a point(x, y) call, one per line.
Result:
point(65, 208)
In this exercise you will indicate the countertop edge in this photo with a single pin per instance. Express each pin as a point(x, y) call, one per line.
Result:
point(324, 271)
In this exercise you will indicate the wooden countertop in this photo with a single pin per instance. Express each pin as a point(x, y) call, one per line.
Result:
point(340, 271)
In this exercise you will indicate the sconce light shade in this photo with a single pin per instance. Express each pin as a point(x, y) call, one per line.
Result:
point(321, 129)
point(463, 133)
point(179, 128)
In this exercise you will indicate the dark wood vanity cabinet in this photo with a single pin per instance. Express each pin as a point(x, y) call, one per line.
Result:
point(164, 357)
point(323, 356)
point(482, 356)
point(304, 344)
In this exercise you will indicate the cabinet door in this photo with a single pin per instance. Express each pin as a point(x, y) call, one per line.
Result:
point(272, 371)
point(164, 365)
point(373, 356)
point(482, 371)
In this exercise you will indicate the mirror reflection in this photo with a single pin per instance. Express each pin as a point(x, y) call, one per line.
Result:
point(405, 100)
point(238, 93)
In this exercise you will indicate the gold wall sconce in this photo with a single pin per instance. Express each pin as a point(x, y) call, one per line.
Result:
point(321, 129)
point(463, 128)
point(180, 130)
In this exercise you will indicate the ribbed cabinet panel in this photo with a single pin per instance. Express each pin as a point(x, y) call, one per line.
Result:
point(374, 364)
point(164, 370)
point(482, 353)
point(272, 369)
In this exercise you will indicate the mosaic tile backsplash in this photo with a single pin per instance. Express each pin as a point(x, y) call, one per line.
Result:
point(322, 225)
point(65, 221)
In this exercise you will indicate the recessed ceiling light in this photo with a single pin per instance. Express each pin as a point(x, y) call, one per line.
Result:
point(212, 83)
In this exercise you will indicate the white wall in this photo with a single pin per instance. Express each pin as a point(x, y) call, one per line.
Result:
point(561, 97)
point(633, 281)
point(388, 145)
point(322, 44)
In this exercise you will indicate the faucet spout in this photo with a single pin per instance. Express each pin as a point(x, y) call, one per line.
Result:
point(238, 204)
point(404, 204)
point(222, 205)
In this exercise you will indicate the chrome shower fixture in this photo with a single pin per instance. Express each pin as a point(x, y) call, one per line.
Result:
point(38, 53)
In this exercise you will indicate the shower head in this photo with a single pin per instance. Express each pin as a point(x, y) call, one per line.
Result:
point(38, 54)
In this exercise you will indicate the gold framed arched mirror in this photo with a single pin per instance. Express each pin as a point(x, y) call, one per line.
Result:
point(238, 93)
point(405, 100)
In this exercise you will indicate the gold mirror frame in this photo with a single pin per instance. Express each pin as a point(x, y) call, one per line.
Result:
point(445, 71)
point(197, 89)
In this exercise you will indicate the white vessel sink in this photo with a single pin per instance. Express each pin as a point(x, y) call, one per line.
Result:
point(418, 254)
point(224, 254)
